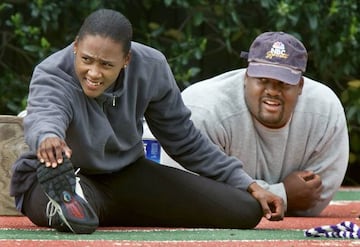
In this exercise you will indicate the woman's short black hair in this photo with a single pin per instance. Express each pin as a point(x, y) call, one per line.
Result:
point(108, 23)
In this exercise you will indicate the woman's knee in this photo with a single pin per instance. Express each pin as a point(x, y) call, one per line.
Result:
point(246, 215)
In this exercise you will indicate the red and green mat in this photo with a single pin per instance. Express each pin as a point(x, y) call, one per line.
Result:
point(19, 231)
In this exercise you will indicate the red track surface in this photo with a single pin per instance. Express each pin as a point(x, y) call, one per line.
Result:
point(333, 214)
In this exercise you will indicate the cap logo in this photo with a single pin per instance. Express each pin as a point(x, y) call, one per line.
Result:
point(277, 50)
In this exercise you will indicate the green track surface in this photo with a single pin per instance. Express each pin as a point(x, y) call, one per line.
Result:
point(158, 235)
point(347, 195)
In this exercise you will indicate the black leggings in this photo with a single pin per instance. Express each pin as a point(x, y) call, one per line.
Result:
point(148, 194)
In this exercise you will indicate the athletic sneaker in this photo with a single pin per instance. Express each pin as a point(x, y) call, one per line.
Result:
point(66, 210)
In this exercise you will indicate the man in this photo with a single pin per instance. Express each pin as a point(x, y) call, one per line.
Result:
point(290, 131)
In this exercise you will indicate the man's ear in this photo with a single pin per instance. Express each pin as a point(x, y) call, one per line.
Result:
point(301, 85)
point(245, 78)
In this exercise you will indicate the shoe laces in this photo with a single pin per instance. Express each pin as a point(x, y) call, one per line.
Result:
point(52, 208)
point(54, 212)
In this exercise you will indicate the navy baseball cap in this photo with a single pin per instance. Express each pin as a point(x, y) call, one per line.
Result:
point(277, 55)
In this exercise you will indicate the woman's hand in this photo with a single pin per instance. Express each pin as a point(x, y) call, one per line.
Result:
point(50, 151)
point(272, 205)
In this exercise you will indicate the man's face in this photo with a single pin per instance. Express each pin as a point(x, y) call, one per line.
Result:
point(270, 101)
point(98, 62)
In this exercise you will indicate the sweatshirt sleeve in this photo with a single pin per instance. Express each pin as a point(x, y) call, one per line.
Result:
point(330, 160)
point(48, 108)
point(169, 120)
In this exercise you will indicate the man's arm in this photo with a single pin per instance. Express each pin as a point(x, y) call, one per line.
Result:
point(300, 190)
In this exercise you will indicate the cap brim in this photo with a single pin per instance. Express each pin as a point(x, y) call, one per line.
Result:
point(281, 73)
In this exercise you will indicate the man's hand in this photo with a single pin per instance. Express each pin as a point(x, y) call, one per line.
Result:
point(303, 190)
point(272, 205)
point(50, 151)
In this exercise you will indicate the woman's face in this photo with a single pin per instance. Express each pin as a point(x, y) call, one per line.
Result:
point(271, 102)
point(98, 62)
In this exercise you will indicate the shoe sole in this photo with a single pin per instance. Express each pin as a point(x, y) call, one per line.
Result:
point(59, 186)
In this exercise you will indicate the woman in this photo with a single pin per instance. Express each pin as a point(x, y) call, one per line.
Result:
point(87, 102)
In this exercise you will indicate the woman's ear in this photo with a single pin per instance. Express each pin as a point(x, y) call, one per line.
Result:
point(127, 59)
point(76, 43)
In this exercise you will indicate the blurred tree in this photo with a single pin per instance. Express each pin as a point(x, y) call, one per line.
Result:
point(201, 38)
